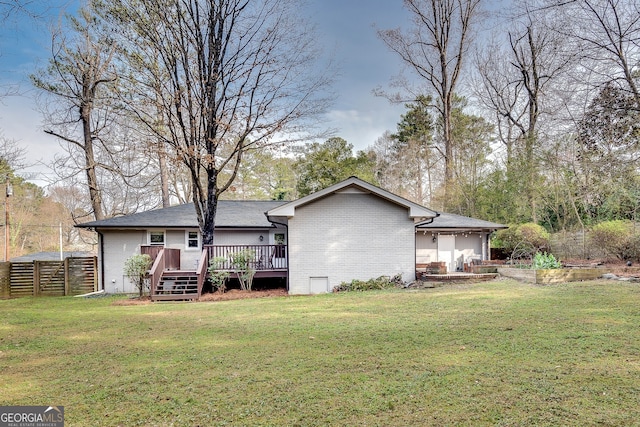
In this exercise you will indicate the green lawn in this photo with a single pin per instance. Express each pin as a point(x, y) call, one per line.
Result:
point(499, 353)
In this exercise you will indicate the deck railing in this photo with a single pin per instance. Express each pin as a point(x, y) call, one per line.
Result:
point(171, 256)
point(165, 259)
point(156, 271)
point(203, 265)
point(264, 257)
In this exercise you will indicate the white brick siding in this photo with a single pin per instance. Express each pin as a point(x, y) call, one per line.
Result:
point(118, 247)
point(349, 236)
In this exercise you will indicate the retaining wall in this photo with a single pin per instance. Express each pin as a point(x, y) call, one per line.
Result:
point(558, 275)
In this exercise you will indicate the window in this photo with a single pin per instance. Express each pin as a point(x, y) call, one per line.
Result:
point(193, 240)
point(156, 238)
point(280, 251)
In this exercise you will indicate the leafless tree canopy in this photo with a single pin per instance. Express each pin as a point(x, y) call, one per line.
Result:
point(79, 71)
point(607, 34)
point(435, 49)
point(227, 76)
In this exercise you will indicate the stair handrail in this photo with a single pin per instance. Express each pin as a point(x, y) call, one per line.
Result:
point(203, 265)
point(155, 274)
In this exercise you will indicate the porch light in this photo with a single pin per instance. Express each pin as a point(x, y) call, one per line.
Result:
point(261, 238)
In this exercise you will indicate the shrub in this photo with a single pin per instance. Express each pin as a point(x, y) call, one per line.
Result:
point(382, 282)
point(136, 268)
point(522, 241)
point(635, 247)
point(534, 234)
point(617, 238)
point(217, 276)
point(242, 263)
point(543, 260)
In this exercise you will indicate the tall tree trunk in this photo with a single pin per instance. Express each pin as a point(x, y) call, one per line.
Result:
point(435, 49)
point(164, 174)
point(90, 164)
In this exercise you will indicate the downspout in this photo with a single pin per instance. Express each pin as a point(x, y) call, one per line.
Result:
point(101, 239)
point(287, 257)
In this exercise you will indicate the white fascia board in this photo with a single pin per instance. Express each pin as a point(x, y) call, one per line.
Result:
point(287, 211)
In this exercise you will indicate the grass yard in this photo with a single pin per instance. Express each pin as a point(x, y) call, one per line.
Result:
point(490, 354)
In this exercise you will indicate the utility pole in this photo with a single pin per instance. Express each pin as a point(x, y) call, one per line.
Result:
point(7, 240)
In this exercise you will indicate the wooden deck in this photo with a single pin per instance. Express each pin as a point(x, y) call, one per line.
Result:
point(268, 258)
point(169, 282)
point(263, 274)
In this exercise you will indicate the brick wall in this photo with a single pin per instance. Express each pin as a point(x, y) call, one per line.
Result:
point(349, 236)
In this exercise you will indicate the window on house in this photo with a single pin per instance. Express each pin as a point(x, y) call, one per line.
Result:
point(280, 249)
point(279, 238)
point(193, 240)
point(156, 238)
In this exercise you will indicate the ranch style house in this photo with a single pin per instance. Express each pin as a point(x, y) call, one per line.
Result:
point(350, 230)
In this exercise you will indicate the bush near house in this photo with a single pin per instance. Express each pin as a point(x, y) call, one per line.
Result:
point(241, 261)
point(217, 276)
point(382, 282)
point(136, 268)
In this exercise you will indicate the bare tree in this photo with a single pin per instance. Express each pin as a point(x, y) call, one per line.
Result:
point(82, 109)
point(30, 8)
point(520, 83)
point(12, 154)
point(237, 77)
point(78, 71)
point(607, 32)
point(435, 49)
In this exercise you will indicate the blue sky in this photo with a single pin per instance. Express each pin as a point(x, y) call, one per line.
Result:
point(346, 29)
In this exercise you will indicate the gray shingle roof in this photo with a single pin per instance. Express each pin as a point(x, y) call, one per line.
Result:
point(250, 214)
point(230, 213)
point(447, 220)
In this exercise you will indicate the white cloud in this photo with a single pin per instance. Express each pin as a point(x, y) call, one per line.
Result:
point(362, 127)
point(21, 122)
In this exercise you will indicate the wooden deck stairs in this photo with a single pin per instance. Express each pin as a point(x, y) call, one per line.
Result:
point(169, 282)
point(177, 285)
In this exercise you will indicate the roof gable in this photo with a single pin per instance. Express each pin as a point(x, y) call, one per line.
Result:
point(354, 185)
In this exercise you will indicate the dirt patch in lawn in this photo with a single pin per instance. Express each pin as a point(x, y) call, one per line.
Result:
point(132, 301)
point(216, 296)
point(238, 294)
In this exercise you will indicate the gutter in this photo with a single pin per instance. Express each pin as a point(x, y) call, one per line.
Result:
point(101, 238)
point(430, 221)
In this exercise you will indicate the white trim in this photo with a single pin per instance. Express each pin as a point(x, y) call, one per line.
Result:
point(352, 185)
point(186, 241)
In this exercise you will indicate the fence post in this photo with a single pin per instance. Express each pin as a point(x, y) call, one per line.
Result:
point(36, 278)
point(5, 280)
point(66, 277)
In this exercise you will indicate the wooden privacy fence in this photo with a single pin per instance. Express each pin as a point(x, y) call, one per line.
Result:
point(73, 276)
